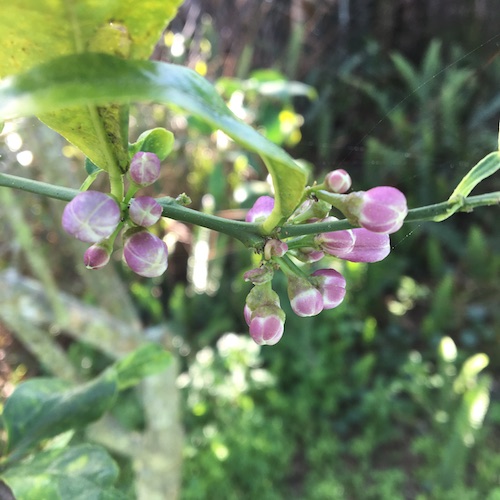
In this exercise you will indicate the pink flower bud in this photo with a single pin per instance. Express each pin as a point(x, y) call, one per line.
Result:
point(261, 209)
point(305, 299)
point(144, 211)
point(145, 254)
point(336, 243)
point(96, 256)
point(267, 324)
point(275, 248)
point(331, 285)
point(369, 246)
point(382, 210)
point(91, 216)
point(338, 181)
point(144, 168)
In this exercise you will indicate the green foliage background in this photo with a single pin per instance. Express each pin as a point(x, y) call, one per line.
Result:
point(373, 399)
point(393, 394)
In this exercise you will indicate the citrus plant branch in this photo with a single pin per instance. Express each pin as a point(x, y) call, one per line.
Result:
point(250, 233)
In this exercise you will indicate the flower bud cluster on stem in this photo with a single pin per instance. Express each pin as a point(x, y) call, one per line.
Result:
point(303, 247)
point(98, 218)
point(312, 288)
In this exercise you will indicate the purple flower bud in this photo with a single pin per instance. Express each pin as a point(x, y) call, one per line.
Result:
point(144, 168)
point(331, 285)
point(91, 216)
point(336, 243)
point(261, 209)
point(275, 248)
point(144, 211)
point(267, 324)
point(382, 210)
point(305, 299)
point(369, 246)
point(96, 256)
point(145, 254)
point(338, 181)
point(264, 315)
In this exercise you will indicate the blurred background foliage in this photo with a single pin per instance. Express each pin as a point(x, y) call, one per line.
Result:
point(395, 393)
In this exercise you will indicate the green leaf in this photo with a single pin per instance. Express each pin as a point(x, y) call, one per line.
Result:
point(483, 169)
point(267, 82)
point(82, 472)
point(486, 167)
point(147, 360)
point(90, 167)
point(407, 71)
point(158, 141)
point(36, 31)
point(43, 407)
point(99, 79)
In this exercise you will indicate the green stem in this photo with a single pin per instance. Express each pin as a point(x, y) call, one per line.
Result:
point(248, 233)
point(37, 187)
point(89, 180)
point(132, 189)
point(314, 228)
point(445, 209)
point(289, 267)
point(334, 199)
point(116, 186)
point(301, 242)
point(432, 213)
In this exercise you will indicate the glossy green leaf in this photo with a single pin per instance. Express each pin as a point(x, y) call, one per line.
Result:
point(99, 79)
point(158, 141)
point(80, 472)
point(147, 360)
point(42, 408)
point(36, 31)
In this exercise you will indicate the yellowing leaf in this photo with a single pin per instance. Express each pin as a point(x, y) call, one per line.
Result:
point(36, 31)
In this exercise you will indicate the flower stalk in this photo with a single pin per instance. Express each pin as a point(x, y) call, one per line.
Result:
point(249, 233)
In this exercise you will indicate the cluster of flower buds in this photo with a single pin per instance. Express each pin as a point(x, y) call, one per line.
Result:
point(374, 214)
point(97, 218)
